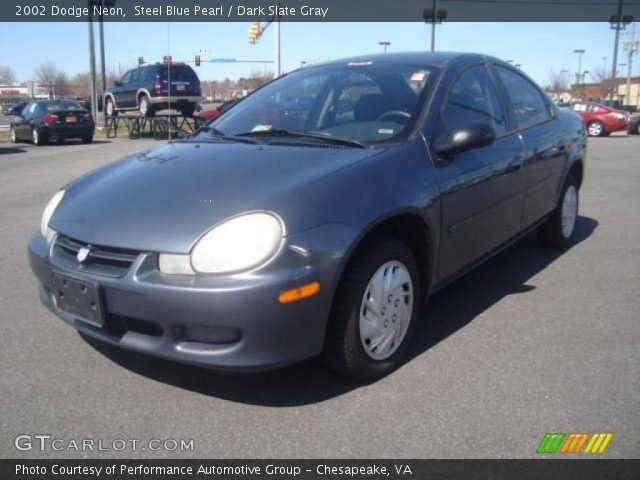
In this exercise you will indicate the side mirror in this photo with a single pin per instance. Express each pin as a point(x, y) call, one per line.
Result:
point(117, 83)
point(468, 137)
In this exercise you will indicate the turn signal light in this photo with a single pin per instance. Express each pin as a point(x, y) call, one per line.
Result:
point(298, 293)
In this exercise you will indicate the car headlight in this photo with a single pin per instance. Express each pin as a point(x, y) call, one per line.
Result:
point(239, 244)
point(45, 230)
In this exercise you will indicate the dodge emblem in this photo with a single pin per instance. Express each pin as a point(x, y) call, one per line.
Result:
point(82, 254)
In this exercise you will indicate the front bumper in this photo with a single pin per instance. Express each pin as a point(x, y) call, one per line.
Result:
point(233, 322)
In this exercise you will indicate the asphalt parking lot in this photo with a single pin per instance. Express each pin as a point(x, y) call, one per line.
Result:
point(531, 342)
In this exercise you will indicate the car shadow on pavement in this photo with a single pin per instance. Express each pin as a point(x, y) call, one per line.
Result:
point(448, 310)
point(8, 150)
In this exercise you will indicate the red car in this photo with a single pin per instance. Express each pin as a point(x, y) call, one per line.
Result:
point(214, 113)
point(601, 121)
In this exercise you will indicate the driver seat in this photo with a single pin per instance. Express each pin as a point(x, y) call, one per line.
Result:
point(370, 106)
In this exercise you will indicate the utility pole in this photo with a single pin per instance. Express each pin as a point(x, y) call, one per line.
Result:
point(276, 19)
point(102, 69)
point(92, 66)
point(618, 22)
point(631, 47)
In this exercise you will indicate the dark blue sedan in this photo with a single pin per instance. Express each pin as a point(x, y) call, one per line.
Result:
point(316, 216)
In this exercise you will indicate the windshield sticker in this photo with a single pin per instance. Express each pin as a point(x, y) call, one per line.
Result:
point(261, 128)
point(385, 131)
point(418, 76)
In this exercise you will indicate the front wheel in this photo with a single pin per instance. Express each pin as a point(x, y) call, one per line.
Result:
point(595, 129)
point(558, 229)
point(14, 137)
point(374, 312)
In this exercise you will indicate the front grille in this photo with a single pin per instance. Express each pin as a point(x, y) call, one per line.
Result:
point(113, 262)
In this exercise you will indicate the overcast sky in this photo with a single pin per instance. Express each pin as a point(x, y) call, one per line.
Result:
point(537, 46)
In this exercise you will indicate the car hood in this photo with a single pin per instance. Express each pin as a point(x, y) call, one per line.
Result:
point(164, 199)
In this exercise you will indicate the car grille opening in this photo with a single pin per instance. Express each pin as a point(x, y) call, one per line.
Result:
point(113, 262)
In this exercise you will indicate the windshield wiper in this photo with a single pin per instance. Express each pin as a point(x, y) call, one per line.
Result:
point(281, 132)
point(217, 133)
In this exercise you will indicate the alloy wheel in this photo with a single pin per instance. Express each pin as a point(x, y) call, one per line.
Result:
point(595, 129)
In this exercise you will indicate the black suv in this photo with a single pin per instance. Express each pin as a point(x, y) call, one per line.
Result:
point(146, 89)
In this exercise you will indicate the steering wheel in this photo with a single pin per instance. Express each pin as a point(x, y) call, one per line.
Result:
point(395, 113)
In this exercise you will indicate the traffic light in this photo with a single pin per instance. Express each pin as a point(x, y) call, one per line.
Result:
point(197, 60)
point(254, 32)
point(140, 60)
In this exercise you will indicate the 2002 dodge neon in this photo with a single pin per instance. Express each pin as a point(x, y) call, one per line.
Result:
point(315, 216)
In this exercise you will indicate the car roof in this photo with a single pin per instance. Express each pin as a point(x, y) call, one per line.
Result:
point(436, 59)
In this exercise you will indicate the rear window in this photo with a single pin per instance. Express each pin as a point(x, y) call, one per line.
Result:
point(61, 105)
point(178, 72)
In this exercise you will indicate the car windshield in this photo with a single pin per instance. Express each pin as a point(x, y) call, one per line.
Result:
point(358, 103)
point(62, 105)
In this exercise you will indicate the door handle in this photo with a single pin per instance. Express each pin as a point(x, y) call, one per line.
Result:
point(517, 162)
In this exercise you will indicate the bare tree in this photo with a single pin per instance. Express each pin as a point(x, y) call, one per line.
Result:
point(7, 75)
point(558, 81)
point(257, 79)
point(48, 76)
point(601, 76)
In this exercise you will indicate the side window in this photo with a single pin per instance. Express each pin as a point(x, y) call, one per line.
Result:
point(126, 78)
point(135, 75)
point(527, 101)
point(473, 99)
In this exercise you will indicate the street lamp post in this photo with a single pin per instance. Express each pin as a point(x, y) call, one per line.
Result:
point(384, 45)
point(579, 52)
point(433, 16)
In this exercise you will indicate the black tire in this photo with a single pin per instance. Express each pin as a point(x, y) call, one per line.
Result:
point(343, 351)
point(597, 126)
point(145, 107)
point(37, 137)
point(110, 105)
point(13, 135)
point(189, 110)
point(550, 232)
point(88, 139)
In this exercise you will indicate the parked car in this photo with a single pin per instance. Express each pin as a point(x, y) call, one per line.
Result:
point(13, 108)
point(209, 115)
point(634, 125)
point(45, 120)
point(601, 120)
point(146, 89)
point(267, 238)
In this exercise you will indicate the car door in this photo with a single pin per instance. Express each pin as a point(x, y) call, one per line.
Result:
point(22, 123)
point(482, 190)
point(131, 91)
point(546, 142)
point(120, 90)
